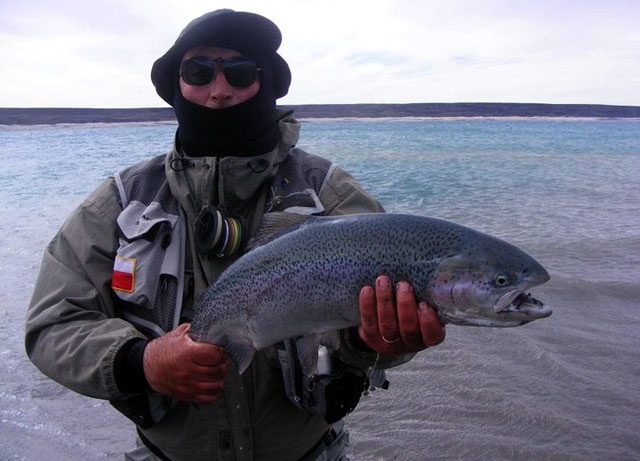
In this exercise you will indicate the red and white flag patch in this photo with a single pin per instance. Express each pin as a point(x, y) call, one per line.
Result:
point(122, 278)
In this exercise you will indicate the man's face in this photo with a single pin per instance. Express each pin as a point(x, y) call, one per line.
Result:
point(218, 93)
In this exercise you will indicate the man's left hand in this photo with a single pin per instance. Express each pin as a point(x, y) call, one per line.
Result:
point(395, 323)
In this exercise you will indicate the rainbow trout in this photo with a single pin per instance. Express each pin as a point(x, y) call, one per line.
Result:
point(304, 274)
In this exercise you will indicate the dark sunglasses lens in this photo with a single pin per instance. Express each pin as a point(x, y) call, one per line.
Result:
point(198, 73)
point(241, 74)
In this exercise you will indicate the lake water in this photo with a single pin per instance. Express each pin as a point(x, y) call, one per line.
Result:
point(566, 191)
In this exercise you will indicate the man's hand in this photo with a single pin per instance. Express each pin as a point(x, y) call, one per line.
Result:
point(179, 367)
point(398, 327)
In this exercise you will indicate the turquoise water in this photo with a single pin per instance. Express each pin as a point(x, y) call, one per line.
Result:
point(566, 191)
point(561, 182)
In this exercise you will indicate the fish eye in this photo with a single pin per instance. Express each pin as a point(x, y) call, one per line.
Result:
point(501, 280)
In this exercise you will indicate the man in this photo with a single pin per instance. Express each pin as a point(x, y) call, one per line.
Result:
point(110, 311)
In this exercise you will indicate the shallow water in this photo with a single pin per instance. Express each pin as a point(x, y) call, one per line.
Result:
point(566, 191)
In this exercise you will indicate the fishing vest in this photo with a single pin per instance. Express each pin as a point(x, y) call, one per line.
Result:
point(148, 271)
point(148, 278)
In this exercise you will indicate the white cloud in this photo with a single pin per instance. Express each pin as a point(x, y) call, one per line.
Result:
point(99, 54)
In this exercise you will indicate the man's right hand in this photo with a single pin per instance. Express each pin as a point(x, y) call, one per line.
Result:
point(177, 366)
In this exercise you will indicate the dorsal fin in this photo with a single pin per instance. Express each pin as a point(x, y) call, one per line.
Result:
point(275, 224)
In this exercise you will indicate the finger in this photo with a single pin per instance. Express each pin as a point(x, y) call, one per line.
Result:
point(368, 329)
point(387, 316)
point(208, 355)
point(204, 398)
point(204, 388)
point(181, 330)
point(204, 353)
point(210, 374)
point(408, 323)
point(432, 331)
point(200, 393)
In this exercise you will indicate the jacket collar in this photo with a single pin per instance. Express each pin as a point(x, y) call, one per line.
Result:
point(232, 184)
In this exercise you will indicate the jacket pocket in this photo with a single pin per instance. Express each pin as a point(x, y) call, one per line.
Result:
point(136, 269)
point(148, 268)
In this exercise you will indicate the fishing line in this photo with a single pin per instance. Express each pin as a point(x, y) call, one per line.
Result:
point(217, 234)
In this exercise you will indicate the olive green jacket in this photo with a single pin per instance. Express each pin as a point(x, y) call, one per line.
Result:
point(74, 325)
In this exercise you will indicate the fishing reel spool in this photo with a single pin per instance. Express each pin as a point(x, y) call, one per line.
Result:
point(217, 234)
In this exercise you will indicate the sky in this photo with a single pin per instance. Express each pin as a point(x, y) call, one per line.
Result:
point(86, 53)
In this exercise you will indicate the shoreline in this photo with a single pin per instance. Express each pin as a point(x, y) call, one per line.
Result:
point(383, 112)
point(89, 125)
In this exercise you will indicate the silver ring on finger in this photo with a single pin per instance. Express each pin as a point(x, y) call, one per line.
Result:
point(390, 341)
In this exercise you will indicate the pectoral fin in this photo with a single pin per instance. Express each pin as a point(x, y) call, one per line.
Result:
point(240, 353)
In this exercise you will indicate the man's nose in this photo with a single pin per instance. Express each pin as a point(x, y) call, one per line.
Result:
point(219, 88)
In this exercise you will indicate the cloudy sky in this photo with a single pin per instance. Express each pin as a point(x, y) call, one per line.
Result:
point(86, 53)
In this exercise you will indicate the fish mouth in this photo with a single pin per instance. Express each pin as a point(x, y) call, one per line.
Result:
point(519, 304)
point(512, 309)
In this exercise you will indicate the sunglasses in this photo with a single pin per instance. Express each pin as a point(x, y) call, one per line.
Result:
point(200, 71)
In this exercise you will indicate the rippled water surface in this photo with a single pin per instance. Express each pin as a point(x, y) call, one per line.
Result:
point(566, 191)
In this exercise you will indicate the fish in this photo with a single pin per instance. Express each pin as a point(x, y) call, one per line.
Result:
point(302, 276)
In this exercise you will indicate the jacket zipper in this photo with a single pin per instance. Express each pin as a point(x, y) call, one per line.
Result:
point(216, 181)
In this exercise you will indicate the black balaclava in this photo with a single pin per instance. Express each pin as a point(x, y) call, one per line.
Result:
point(246, 129)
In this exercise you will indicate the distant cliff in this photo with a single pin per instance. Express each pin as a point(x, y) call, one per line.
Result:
point(45, 116)
point(461, 109)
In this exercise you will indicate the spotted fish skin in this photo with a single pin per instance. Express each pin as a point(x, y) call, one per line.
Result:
point(305, 281)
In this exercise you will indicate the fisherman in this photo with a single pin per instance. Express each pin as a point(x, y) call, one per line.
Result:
point(110, 312)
